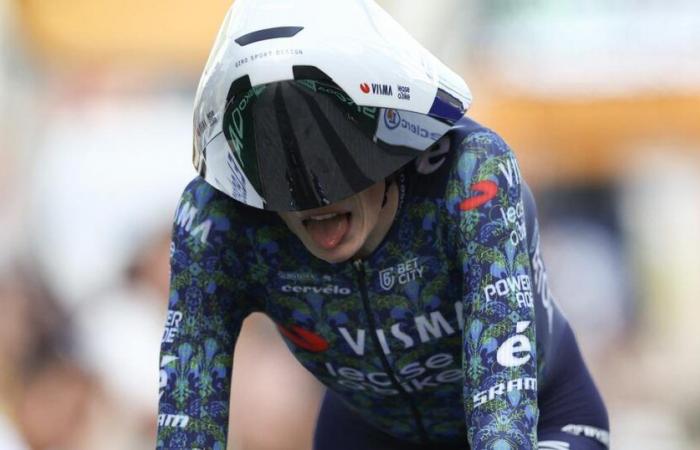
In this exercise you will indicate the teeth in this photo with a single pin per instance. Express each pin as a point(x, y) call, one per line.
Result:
point(324, 216)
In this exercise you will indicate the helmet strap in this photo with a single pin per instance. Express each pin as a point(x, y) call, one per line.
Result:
point(388, 181)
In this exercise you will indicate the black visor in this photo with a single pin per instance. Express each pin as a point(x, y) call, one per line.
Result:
point(303, 144)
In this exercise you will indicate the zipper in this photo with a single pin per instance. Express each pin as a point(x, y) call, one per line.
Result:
point(361, 277)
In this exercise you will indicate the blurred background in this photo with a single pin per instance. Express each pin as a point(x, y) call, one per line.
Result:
point(599, 99)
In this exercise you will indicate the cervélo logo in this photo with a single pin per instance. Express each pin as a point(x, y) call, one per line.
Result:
point(329, 289)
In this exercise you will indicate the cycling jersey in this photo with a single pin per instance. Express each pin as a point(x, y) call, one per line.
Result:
point(446, 333)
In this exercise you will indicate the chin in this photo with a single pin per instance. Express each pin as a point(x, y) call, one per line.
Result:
point(341, 253)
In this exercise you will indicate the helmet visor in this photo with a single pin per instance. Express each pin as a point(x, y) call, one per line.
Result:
point(303, 144)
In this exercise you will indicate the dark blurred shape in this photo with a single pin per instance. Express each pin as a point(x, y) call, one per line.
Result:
point(271, 390)
point(42, 385)
point(33, 326)
point(587, 259)
point(54, 402)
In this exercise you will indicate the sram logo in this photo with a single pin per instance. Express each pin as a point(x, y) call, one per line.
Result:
point(515, 351)
point(173, 420)
point(517, 384)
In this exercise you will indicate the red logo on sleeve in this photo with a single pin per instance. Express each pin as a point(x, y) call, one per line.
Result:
point(365, 88)
point(308, 340)
point(486, 191)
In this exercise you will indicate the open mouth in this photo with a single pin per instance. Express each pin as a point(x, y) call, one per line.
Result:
point(328, 230)
point(323, 217)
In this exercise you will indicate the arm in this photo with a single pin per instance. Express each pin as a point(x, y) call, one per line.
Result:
point(500, 364)
point(205, 313)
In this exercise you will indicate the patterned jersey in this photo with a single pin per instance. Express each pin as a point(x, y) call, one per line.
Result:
point(445, 333)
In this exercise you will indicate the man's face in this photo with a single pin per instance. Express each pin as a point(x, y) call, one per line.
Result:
point(337, 232)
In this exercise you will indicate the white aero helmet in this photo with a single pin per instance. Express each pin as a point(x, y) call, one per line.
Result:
point(306, 102)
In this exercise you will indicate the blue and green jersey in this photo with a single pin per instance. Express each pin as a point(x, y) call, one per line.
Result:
point(447, 332)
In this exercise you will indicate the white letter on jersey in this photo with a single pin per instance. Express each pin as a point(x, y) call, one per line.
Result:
point(508, 352)
point(358, 346)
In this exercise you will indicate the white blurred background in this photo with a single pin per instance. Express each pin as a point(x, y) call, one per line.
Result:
point(599, 99)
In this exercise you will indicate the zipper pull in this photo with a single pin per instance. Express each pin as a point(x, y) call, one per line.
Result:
point(358, 265)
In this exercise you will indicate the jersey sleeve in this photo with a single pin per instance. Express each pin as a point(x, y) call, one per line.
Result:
point(205, 313)
point(499, 349)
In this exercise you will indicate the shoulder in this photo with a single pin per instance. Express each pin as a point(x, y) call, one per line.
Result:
point(206, 216)
point(474, 142)
point(484, 168)
point(201, 211)
point(480, 154)
point(474, 153)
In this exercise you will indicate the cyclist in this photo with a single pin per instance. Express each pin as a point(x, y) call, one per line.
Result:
point(344, 193)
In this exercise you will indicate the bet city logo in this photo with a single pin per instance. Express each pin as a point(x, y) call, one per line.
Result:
point(402, 273)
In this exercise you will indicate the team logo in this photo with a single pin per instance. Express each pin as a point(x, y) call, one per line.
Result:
point(403, 273)
point(329, 289)
point(308, 340)
point(598, 434)
point(387, 278)
point(553, 445)
point(515, 351)
point(486, 191)
point(392, 119)
point(377, 89)
point(163, 378)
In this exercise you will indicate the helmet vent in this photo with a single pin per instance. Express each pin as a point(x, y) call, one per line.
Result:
point(268, 33)
point(310, 73)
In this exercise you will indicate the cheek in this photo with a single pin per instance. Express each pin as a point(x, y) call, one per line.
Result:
point(370, 207)
point(295, 227)
point(376, 198)
point(290, 221)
